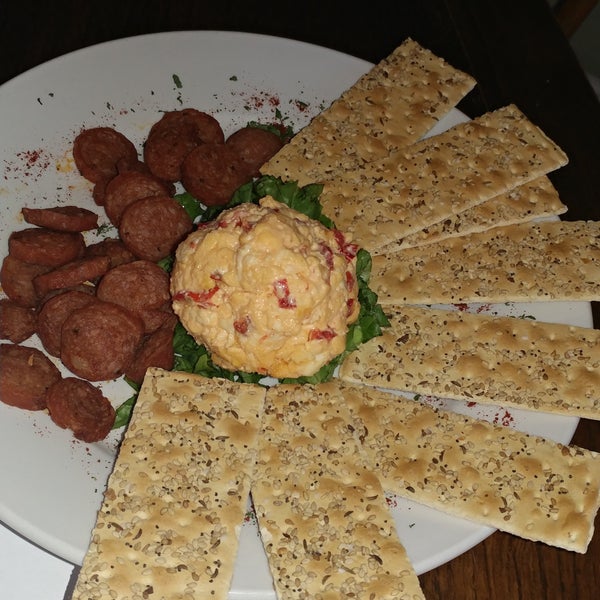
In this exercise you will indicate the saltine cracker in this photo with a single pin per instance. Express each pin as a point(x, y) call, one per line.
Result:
point(524, 262)
point(322, 513)
point(391, 106)
point(169, 523)
point(507, 361)
point(519, 483)
point(438, 177)
point(534, 200)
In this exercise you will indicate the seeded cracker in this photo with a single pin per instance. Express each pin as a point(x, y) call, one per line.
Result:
point(438, 177)
point(554, 260)
point(522, 484)
point(509, 361)
point(525, 203)
point(391, 106)
point(169, 523)
point(322, 513)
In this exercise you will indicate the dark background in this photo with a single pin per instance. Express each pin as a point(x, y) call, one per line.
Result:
point(514, 49)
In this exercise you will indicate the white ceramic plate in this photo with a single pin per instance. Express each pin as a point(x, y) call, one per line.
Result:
point(52, 485)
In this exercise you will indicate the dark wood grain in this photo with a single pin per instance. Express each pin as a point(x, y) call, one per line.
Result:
point(518, 54)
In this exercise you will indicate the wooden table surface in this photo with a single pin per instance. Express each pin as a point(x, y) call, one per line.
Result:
point(517, 54)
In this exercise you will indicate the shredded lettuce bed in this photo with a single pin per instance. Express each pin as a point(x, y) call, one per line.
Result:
point(192, 357)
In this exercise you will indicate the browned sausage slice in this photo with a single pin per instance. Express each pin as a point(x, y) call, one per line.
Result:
point(53, 314)
point(212, 172)
point(100, 340)
point(114, 248)
point(139, 286)
point(42, 246)
point(97, 151)
point(155, 351)
point(255, 146)
point(62, 218)
point(78, 405)
point(141, 167)
point(174, 136)
point(17, 323)
point(16, 279)
point(154, 318)
point(71, 274)
point(153, 227)
point(126, 188)
point(25, 375)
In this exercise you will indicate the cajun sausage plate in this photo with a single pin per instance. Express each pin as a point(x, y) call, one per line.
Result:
point(52, 484)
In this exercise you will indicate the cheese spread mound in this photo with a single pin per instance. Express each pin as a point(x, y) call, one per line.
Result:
point(266, 290)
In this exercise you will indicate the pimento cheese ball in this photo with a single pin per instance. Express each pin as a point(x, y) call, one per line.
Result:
point(267, 289)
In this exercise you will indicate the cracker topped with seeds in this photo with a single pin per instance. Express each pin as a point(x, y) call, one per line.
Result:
point(523, 484)
point(549, 367)
point(438, 177)
point(524, 203)
point(525, 262)
point(170, 519)
point(322, 513)
point(391, 106)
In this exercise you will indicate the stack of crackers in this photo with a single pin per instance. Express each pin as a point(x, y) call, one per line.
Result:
point(465, 216)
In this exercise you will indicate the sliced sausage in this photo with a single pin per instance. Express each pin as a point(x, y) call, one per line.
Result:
point(152, 227)
point(97, 151)
point(155, 351)
point(99, 340)
point(25, 375)
point(126, 188)
point(42, 246)
point(139, 286)
point(114, 249)
point(141, 167)
point(71, 274)
point(174, 136)
point(212, 172)
point(99, 190)
point(17, 323)
point(62, 218)
point(78, 405)
point(86, 288)
point(255, 146)
point(204, 127)
point(154, 318)
point(54, 312)
point(16, 279)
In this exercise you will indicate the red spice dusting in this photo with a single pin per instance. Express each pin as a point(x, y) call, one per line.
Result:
point(503, 417)
point(202, 299)
point(301, 106)
point(471, 404)
point(28, 163)
point(462, 307)
point(259, 99)
point(392, 501)
point(282, 292)
point(321, 334)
